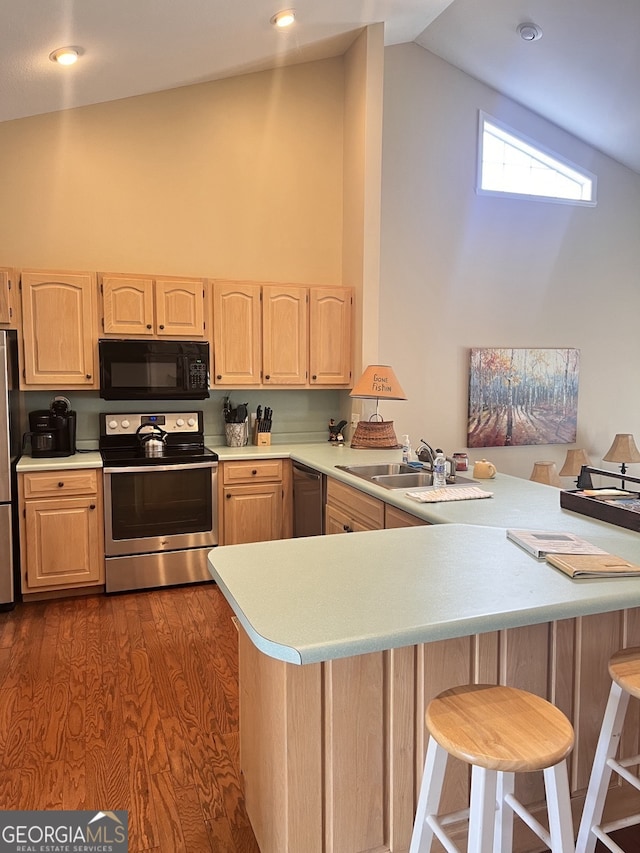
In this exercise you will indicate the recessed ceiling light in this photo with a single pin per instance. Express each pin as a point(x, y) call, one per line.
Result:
point(529, 32)
point(283, 19)
point(64, 55)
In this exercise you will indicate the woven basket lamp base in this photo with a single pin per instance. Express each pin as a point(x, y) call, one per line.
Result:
point(374, 435)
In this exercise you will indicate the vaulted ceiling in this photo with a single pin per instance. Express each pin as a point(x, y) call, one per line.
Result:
point(582, 74)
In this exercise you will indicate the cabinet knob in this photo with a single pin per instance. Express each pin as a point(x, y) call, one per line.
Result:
point(60, 484)
point(218, 376)
point(267, 376)
point(254, 472)
point(148, 325)
point(346, 528)
point(314, 377)
point(92, 506)
point(88, 376)
point(162, 327)
point(228, 497)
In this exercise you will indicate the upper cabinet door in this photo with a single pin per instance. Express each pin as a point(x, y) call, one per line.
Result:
point(330, 335)
point(285, 335)
point(237, 333)
point(127, 305)
point(179, 308)
point(147, 307)
point(6, 300)
point(59, 329)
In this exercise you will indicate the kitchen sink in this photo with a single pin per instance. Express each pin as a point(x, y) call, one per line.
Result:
point(369, 471)
point(397, 476)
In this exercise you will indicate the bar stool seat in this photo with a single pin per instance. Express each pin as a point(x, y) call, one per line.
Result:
point(499, 731)
point(624, 669)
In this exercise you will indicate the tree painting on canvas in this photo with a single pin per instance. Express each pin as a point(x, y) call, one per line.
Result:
point(522, 396)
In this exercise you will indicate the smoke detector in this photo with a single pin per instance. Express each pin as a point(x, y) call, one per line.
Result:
point(529, 32)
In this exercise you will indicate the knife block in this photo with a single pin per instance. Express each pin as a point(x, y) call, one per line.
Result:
point(261, 439)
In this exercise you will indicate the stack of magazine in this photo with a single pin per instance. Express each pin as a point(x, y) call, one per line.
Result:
point(573, 555)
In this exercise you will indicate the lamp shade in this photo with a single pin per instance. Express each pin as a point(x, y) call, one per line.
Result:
point(545, 472)
point(378, 382)
point(623, 449)
point(573, 463)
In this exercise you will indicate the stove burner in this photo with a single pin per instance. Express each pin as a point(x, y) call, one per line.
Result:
point(135, 456)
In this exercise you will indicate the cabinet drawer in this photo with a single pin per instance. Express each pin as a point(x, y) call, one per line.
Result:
point(64, 482)
point(356, 504)
point(252, 471)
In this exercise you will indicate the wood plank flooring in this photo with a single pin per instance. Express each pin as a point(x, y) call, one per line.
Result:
point(127, 702)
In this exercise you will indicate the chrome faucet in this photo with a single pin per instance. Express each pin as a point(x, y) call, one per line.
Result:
point(427, 455)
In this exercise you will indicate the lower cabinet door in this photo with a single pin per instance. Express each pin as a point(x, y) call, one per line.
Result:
point(62, 543)
point(252, 513)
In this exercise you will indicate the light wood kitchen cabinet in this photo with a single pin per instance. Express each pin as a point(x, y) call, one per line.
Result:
point(237, 333)
point(349, 510)
point(59, 330)
point(152, 307)
point(255, 501)
point(282, 335)
point(330, 335)
point(297, 736)
point(61, 529)
point(394, 517)
point(8, 288)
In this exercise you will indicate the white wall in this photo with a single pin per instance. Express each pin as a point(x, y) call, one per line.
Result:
point(460, 270)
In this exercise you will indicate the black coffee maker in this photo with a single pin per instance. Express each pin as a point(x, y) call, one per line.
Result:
point(52, 430)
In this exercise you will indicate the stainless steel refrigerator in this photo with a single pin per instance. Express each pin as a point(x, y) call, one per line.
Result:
point(9, 452)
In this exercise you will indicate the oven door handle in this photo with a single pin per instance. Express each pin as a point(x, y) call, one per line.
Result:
point(150, 469)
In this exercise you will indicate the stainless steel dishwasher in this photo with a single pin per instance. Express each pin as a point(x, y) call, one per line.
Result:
point(308, 501)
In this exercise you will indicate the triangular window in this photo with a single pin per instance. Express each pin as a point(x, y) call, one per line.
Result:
point(510, 164)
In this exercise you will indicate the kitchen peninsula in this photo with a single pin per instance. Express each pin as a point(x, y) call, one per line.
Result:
point(345, 639)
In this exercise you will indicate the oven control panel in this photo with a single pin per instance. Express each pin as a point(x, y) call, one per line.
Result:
point(171, 422)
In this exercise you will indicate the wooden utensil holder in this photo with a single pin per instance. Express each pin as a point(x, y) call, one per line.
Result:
point(261, 439)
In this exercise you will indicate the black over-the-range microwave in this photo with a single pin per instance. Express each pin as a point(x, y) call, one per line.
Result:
point(153, 370)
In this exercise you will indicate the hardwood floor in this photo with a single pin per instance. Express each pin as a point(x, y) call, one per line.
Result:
point(127, 702)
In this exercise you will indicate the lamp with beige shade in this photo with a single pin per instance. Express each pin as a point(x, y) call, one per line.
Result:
point(622, 450)
point(545, 472)
point(575, 460)
point(378, 382)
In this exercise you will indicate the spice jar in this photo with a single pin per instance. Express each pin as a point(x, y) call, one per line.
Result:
point(462, 461)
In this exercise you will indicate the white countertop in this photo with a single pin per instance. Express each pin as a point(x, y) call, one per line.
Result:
point(326, 597)
point(89, 459)
point(516, 502)
point(308, 600)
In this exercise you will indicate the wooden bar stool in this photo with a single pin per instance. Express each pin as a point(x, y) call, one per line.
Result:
point(624, 669)
point(499, 731)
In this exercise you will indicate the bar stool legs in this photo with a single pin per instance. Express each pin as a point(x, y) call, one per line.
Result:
point(624, 668)
point(498, 731)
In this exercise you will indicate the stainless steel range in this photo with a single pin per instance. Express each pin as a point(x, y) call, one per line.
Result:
point(160, 499)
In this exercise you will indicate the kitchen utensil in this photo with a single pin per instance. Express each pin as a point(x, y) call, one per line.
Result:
point(152, 438)
point(484, 470)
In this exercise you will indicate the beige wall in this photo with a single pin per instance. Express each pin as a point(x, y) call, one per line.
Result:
point(364, 78)
point(239, 178)
point(459, 270)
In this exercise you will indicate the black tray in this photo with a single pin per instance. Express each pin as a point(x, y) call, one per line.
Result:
point(618, 515)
